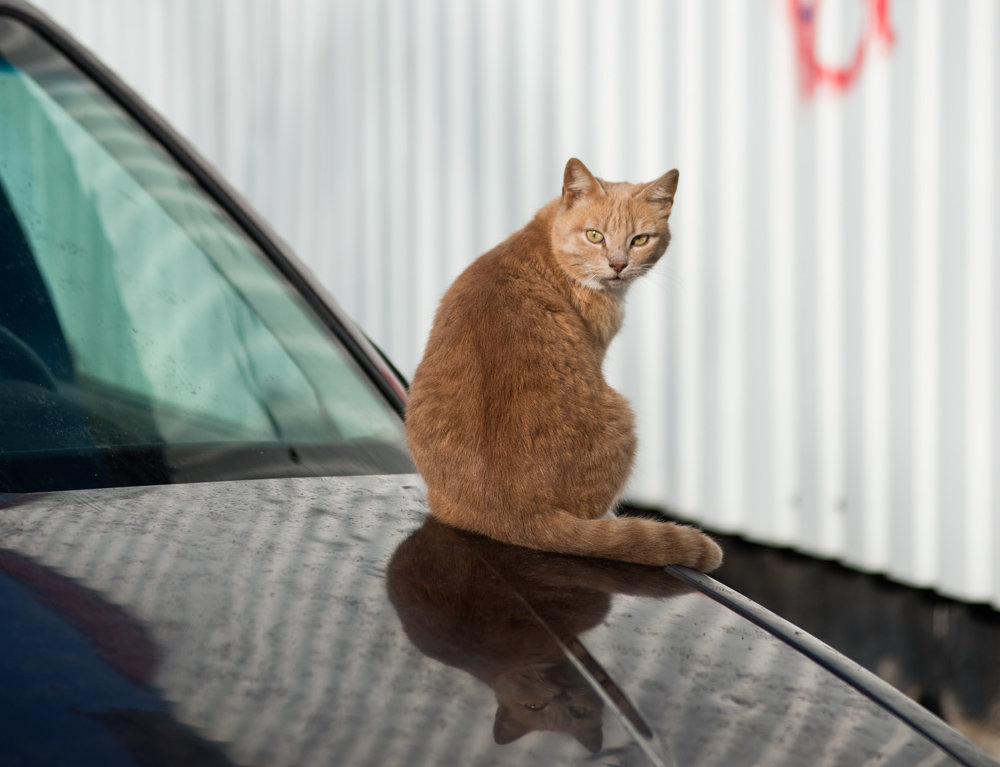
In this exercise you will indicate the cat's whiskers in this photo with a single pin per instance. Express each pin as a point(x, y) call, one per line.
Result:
point(665, 277)
point(586, 279)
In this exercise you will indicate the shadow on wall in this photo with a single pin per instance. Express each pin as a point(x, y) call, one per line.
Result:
point(943, 653)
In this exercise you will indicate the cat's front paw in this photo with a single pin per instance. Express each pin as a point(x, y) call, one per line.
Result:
point(698, 550)
point(711, 555)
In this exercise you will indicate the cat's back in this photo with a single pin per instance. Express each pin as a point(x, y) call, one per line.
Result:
point(506, 316)
point(510, 286)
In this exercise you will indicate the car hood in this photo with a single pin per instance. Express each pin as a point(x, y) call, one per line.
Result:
point(328, 621)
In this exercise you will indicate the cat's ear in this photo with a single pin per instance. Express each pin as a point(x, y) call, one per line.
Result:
point(591, 739)
point(506, 729)
point(661, 192)
point(578, 182)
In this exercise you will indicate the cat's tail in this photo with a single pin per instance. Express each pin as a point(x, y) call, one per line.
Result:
point(628, 539)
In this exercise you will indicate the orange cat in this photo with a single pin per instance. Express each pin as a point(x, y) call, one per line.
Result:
point(510, 420)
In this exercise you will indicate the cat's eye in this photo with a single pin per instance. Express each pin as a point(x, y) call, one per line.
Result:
point(595, 236)
point(640, 239)
point(535, 706)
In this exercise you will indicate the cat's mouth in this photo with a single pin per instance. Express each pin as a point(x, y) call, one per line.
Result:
point(617, 280)
point(607, 282)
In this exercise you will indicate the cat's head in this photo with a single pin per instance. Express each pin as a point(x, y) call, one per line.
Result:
point(604, 235)
point(550, 697)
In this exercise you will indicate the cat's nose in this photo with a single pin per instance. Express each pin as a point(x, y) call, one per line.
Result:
point(618, 265)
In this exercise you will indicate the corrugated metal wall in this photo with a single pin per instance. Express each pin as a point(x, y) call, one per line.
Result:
point(815, 362)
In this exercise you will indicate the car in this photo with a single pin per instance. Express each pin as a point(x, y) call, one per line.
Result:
point(214, 549)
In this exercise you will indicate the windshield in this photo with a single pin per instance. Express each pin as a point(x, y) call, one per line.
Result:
point(144, 337)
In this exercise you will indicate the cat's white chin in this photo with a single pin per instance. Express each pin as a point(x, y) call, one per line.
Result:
point(616, 285)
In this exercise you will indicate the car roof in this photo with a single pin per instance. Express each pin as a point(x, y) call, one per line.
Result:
point(329, 620)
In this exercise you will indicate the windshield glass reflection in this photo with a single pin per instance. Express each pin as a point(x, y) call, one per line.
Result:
point(145, 337)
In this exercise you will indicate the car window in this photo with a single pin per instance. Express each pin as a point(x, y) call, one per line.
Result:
point(144, 337)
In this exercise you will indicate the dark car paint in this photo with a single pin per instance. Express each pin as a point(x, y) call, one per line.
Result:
point(326, 621)
point(82, 669)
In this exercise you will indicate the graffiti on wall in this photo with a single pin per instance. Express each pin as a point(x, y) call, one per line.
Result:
point(813, 73)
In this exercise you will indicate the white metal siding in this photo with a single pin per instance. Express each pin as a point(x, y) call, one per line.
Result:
point(814, 364)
